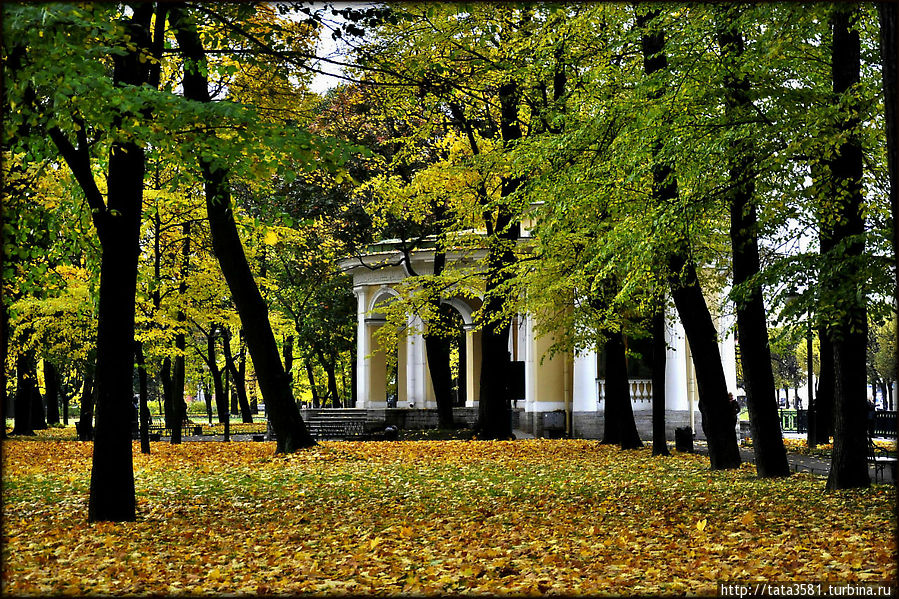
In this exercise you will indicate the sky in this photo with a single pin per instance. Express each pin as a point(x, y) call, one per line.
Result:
point(329, 48)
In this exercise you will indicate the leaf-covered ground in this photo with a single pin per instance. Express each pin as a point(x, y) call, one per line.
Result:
point(447, 517)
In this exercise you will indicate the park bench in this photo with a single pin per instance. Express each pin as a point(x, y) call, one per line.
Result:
point(158, 429)
point(880, 459)
point(334, 426)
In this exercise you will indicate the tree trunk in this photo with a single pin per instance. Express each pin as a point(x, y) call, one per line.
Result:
point(22, 424)
point(718, 420)
point(752, 328)
point(331, 375)
point(849, 467)
point(437, 350)
point(620, 427)
point(112, 473)
point(65, 403)
point(239, 378)
point(179, 407)
point(307, 362)
point(888, 15)
point(494, 405)
point(86, 419)
point(52, 385)
point(717, 417)
point(176, 398)
point(165, 376)
point(144, 417)
point(221, 402)
point(4, 354)
point(288, 358)
point(38, 416)
point(280, 406)
point(207, 397)
point(659, 360)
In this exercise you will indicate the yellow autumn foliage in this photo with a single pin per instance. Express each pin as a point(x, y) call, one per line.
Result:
point(430, 517)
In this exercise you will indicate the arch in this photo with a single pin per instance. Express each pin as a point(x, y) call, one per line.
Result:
point(383, 296)
point(464, 307)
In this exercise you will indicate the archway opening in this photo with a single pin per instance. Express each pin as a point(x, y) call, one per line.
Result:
point(447, 330)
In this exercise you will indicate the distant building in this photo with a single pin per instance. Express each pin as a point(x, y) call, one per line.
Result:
point(566, 383)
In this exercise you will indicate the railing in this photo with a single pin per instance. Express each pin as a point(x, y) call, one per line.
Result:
point(796, 421)
point(885, 424)
point(641, 389)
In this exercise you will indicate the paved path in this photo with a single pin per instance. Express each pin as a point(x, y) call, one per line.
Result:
point(798, 462)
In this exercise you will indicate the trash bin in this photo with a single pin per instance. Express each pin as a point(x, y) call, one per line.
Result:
point(683, 439)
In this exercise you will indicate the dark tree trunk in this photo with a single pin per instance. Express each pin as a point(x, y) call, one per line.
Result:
point(239, 378)
point(825, 390)
point(4, 354)
point(65, 403)
point(849, 468)
point(86, 419)
point(179, 407)
point(331, 375)
point(165, 376)
point(717, 417)
point(52, 384)
point(718, 420)
point(207, 397)
point(25, 381)
point(143, 410)
point(620, 427)
point(494, 405)
point(112, 474)
point(221, 401)
point(288, 358)
point(659, 360)
point(310, 375)
point(38, 416)
point(280, 406)
point(752, 328)
point(437, 349)
point(888, 15)
point(176, 400)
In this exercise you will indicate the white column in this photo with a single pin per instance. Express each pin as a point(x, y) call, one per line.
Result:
point(416, 364)
point(362, 349)
point(585, 399)
point(472, 366)
point(726, 346)
point(530, 391)
point(676, 367)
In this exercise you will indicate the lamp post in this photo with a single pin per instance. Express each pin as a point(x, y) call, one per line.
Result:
point(811, 420)
point(812, 433)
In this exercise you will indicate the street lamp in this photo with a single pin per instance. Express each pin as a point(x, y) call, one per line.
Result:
point(811, 420)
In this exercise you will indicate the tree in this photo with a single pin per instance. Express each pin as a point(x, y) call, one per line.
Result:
point(767, 443)
point(285, 418)
point(848, 329)
point(889, 53)
point(685, 290)
point(122, 107)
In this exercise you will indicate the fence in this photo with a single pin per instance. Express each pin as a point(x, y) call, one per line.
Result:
point(796, 421)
